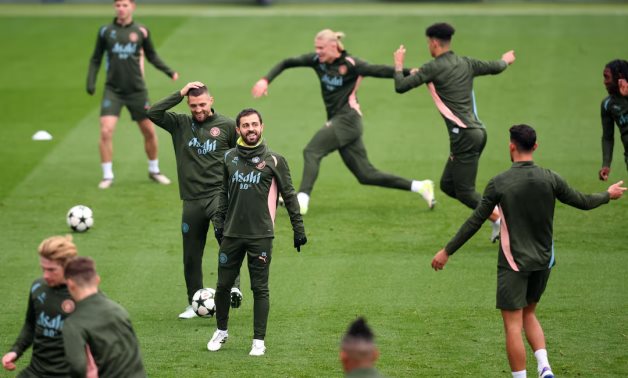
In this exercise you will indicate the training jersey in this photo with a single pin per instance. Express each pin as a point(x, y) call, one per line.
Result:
point(339, 80)
point(104, 326)
point(614, 111)
point(124, 47)
point(252, 180)
point(46, 314)
point(449, 79)
point(364, 373)
point(526, 196)
point(199, 148)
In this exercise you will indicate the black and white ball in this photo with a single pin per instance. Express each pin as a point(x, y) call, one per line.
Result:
point(80, 218)
point(203, 302)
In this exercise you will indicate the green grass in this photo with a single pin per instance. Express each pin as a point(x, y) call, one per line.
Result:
point(369, 248)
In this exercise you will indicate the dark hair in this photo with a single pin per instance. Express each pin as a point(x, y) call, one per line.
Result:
point(359, 330)
point(195, 92)
point(441, 31)
point(618, 68)
point(247, 112)
point(523, 136)
point(80, 269)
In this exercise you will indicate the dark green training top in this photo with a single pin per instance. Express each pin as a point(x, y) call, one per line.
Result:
point(125, 48)
point(104, 326)
point(198, 148)
point(614, 111)
point(526, 195)
point(253, 179)
point(339, 79)
point(47, 310)
point(449, 79)
point(364, 373)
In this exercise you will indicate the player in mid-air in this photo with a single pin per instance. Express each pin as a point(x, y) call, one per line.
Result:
point(125, 43)
point(449, 78)
point(340, 75)
point(526, 249)
point(48, 299)
point(98, 335)
point(200, 141)
point(253, 178)
point(614, 112)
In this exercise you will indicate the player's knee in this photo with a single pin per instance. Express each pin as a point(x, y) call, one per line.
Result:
point(468, 197)
point(448, 188)
point(260, 291)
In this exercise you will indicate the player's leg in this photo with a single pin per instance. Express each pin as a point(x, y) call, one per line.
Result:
point(194, 227)
point(515, 349)
point(230, 259)
point(137, 104)
point(109, 113)
point(531, 325)
point(259, 258)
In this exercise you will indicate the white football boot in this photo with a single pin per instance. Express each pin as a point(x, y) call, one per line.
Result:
point(159, 178)
point(258, 348)
point(188, 313)
point(304, 201)
point(219, 338)
point(427, 192)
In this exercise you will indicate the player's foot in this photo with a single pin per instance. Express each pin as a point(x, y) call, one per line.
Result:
point(236, 297)
point(188, 313)
point(304, 201)
point(219, 338)
point(159, 178)
point(280, 201)
point(105, 183)
point(546, 373)
point(258, 348)
point(495, 230)
point(427, 192)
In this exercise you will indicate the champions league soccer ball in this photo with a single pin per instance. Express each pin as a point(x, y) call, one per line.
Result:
point(203, 302)
point(80, 218)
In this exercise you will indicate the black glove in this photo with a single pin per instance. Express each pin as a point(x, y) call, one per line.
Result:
point(299, 241)
point(90, 90)
point(218, 234)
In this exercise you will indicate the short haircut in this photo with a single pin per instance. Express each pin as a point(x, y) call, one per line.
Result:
point(523, 136)
point(441, 31)
point(358, 342)
point(359, 330)
point(618, 68)
point(81, 270)
point(57, 248)
point(247, 112)
point(115, 1)
point(195, 92)
point(330, 35)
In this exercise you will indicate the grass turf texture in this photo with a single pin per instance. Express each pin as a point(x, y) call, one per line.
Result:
point(369, 248)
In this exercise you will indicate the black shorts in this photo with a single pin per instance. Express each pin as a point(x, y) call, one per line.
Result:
point(517, 290)
point(137, 103)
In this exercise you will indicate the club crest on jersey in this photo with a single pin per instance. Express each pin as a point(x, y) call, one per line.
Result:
point(68, 306)
point(342, 69)
point(133, 37)
point(261, 165)
point(214, 132)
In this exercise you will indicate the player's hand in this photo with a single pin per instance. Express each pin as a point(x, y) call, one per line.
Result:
point(414, 71)
point(91, 90)
point(623, 87)
point(439, 260)
point(218, 234)
point(616, 190)
point(299, 240)
point(399, 56)
point(193, 84)
point(509, 57)
point(260, 88)
point(175, 76)
point(8, 361)
point(604, 172)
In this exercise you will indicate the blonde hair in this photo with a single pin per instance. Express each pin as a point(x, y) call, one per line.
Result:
point(334, 36)
point(58, 248)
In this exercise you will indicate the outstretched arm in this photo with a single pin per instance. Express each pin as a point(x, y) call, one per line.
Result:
point(261, 86)
point(151, 55)
point(406, 80)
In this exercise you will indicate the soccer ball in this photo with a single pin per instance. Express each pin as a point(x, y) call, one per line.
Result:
point(80, 218)
point(203, 302)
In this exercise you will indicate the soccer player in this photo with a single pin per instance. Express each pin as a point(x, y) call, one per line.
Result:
point(200, 141)
point(614, 111)
point(253, 178)
point(49, 300)
point(449, 78)
point(99, 331)
point(358, 351)
point(125, 44)
point(340, 75)
point(526, 250)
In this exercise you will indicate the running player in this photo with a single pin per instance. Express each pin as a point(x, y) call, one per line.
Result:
point(340, 75)
point(449, 79)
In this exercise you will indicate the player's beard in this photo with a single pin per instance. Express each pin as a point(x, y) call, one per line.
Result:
point(252, 142)
point(202, 116)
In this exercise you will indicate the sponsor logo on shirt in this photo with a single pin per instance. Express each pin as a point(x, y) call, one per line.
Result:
point(124, 50)
point(51, 326)
point(331, 82)
point(203, 148)
point(247, 180)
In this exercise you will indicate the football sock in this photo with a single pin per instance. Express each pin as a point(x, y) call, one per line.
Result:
point(541, 359)
point(107, 171)
point(519, 374)
point(153, 166)
point(416, 186)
